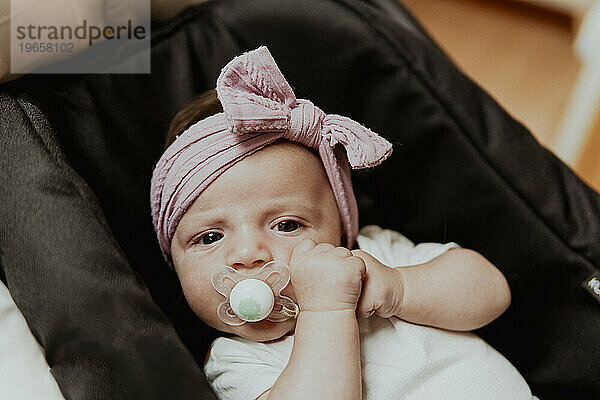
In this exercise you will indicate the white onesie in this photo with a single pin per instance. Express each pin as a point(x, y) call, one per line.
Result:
point(399, 360)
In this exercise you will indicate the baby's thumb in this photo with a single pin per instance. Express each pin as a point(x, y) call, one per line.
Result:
point(303, 247)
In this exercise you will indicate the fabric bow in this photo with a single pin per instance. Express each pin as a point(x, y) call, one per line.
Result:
point(257, 98)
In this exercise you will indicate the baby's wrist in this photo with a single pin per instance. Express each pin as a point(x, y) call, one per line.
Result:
point(341, 311)
point(327, 316)
point(326, 306)
point(398, 292)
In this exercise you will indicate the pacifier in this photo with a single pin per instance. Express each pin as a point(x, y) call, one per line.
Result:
point(252, 297)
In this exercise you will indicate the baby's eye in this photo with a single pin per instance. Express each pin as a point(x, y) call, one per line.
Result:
point(288, 225)
point(209, 238)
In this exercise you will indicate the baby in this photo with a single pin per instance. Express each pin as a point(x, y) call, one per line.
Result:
point(266, 178)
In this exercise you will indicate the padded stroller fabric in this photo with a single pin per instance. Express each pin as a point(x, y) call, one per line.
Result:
point(80, 257)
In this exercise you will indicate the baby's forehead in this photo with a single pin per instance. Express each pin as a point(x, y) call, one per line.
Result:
point(286, 155)
point(280, 171)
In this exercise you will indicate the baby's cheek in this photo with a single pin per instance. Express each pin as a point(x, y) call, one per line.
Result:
point(194, 286)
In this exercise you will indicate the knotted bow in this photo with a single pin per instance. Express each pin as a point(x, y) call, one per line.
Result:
point(257, 98)
point(259, 109)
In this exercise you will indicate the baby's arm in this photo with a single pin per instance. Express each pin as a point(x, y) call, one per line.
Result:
point(325, 359)
point(459, 290)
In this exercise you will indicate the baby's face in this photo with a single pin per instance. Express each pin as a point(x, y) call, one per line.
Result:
point(255, 212)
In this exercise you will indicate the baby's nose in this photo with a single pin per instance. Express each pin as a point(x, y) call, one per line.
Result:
point(250, 253)
point(249, 265)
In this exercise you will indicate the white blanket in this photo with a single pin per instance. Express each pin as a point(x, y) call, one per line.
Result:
point(24, 372)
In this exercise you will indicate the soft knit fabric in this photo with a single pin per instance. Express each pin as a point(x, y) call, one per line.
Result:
point(399, 360)
point(259, 108)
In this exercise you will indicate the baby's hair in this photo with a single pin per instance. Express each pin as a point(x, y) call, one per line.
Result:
point(203, 106)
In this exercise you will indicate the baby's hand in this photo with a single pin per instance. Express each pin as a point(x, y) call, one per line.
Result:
point(382, 291)
point(325, 278)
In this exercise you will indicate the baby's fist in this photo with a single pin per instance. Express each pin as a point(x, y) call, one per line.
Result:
point(325, 277)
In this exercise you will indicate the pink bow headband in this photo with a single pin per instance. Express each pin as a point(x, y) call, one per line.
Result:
point(259, 108)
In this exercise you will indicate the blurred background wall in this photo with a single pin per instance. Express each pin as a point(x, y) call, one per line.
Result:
point(540, 59)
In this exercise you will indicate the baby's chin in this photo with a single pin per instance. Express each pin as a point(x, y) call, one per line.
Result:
point(264, 331)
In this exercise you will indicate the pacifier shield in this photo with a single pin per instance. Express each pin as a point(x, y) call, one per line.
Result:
point(253, 296)
point(251, 300)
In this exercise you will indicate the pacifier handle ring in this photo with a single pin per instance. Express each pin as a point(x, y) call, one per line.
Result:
point(291, 313)
point(289, 309)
